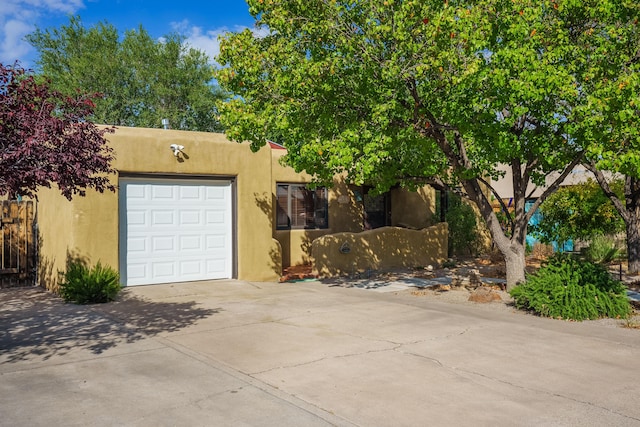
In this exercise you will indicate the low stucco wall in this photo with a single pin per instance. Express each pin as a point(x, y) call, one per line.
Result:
point(296, 245)
point(379, 249)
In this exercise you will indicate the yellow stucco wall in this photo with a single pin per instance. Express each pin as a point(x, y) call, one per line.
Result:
point(414, 209)
point(379, 249)
point(56, 219)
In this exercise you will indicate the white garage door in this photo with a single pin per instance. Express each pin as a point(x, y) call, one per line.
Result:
point(174, 230)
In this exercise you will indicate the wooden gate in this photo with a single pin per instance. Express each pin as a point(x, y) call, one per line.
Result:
point(17, 244)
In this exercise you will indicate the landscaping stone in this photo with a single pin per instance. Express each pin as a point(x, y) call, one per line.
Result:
point(484, 295)
point(466, 277)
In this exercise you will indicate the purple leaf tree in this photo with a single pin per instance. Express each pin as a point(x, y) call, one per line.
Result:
point(47, 137)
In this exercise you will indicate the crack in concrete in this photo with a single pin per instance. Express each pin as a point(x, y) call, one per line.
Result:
point(398, 347)
point(458, 372)
point(281, 320)
point(258, 384)
point(320, 359)
point(548, 393)
point(38, 364)
point(395, 347)
point(431, 359)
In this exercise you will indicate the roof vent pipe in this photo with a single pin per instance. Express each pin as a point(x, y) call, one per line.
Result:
point(165, 124)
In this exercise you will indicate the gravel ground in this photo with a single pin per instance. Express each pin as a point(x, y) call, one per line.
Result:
point(460, 295)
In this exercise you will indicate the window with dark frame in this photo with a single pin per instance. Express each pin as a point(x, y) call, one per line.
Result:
point(298, 207)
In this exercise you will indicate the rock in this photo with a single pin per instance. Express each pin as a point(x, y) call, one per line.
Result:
point(466, 277)
point(484, 295)
point(467, 271)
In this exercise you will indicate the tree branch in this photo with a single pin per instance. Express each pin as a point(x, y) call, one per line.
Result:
point(606, 188)
point(503, 207)
point(554, 185)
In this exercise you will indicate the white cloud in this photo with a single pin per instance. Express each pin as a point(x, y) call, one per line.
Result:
point(12, 44)
point(208, 41)
point(19, 17)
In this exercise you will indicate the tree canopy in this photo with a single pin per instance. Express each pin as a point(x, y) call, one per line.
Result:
point(46, 138)
point(142, 80)
point(611, 119)
point(579, 212)
point(408, 91)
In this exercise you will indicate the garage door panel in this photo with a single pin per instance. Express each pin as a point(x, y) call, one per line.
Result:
point(190, 193)
point(137, 245)
point(136, 192)
point(164, 244)
point(162, 192)
point(163, 270)
point(213, 193)
point(215, 266)
point(163, 218)
point(191, 243)
point(136, 272)
point(191, 217)
point(216, 217)
point(175, 230)
point(216, 242)
point(136, 217)
point(189, 268)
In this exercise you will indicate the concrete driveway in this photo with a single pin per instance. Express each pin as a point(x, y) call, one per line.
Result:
point(233, 353)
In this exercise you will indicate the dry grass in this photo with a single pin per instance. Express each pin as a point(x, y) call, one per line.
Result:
point(632, 323)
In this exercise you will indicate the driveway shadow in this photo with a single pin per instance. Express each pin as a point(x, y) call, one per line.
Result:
point(35, 323)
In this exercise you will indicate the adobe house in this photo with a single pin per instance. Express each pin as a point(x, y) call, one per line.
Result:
point(196, 206)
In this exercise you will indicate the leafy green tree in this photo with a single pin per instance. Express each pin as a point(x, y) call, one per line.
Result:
point(409, 91)
point(579, 211)
point(610, 115)
point(143, 80)
point(613, 115)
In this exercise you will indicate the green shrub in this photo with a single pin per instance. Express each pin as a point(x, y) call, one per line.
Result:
point(84, 285)
point(569, 288)
point(463, 228)
point(602, 249)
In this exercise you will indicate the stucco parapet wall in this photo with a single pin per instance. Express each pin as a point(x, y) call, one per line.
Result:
point(379, 249)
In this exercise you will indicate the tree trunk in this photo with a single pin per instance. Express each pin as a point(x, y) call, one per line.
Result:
point(515, 265)
point(629, 211)
point(512, 247)
point(515, 261)
point(633, 241)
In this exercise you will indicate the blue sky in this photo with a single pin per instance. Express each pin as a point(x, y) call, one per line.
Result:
point(199, 21)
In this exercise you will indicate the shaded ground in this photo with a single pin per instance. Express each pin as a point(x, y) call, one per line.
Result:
point(37, 324)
